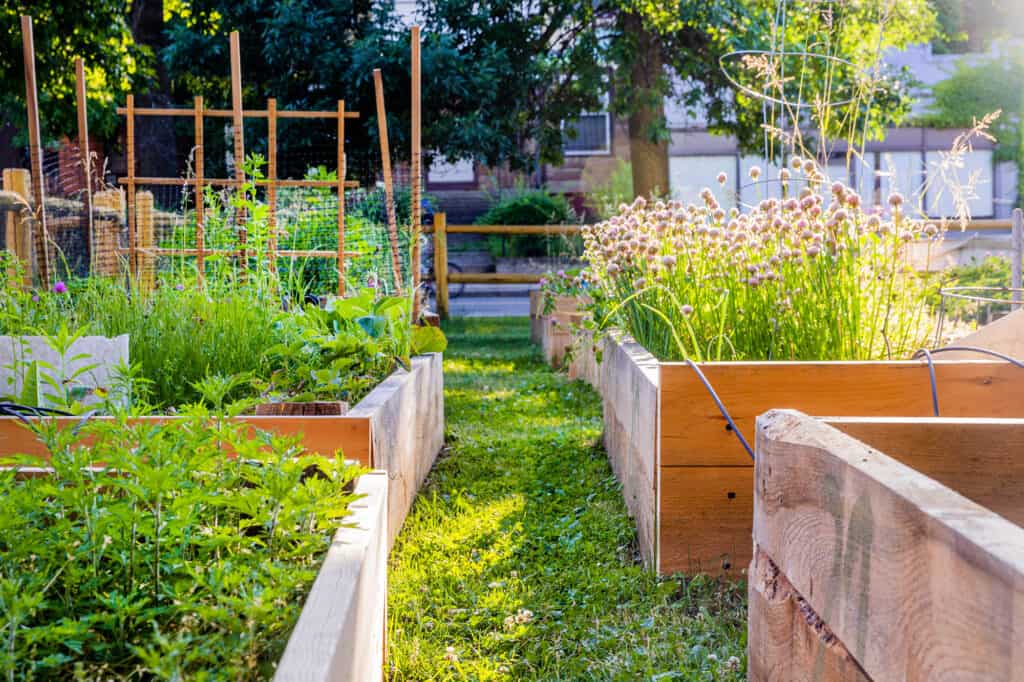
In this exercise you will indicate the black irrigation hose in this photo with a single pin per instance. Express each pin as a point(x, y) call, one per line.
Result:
point(927, 355)
point(721, 408)
point(23, 412)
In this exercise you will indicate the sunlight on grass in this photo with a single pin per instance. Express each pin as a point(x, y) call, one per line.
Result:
point(519, 562)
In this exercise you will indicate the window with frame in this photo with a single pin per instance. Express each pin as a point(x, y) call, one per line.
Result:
point(589, 134)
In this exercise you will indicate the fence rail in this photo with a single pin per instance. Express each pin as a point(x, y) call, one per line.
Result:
point(441, 229)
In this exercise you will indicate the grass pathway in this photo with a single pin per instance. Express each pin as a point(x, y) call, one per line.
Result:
point(519, 562)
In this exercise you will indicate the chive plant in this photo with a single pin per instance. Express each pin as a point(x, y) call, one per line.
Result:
point(812, 275)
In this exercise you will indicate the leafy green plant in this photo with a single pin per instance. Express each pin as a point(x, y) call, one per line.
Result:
point(605, 195)
point(183, 563)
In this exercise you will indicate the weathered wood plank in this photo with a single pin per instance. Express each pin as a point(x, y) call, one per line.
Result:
point(917, 581)
point(979, 458)
point(556, 336)
point(694, 431)
point(406, 414)
point(786, 640)
point(340, 633)
point(630, 397)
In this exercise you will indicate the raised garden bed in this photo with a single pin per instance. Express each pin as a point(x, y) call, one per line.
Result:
point(686, 478)
point(888, 552)
point(398, 427)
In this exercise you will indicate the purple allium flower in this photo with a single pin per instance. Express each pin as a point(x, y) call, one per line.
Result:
point(35, 298)
point(60, 288)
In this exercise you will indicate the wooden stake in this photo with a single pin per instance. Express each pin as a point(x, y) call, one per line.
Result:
point(18, 235)
point(272, 182)
point(341, 197)
point(415, 163)
point(130, 135)
point(83, 150)
point(237, 122)
point(147, 261)
point(389, 191)
point(199, 161)
point(42, 237)
point(441, 263)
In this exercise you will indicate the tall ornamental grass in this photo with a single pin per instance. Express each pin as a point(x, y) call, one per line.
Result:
point(813, 275)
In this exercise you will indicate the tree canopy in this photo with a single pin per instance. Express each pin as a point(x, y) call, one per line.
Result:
point(97, 31)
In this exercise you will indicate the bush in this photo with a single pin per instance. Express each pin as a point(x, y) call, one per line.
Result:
point(530, 207)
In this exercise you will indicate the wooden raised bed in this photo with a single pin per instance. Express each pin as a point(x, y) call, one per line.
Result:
point(563, 304)
point(398, 427)
point(687, 480)
point(873, 569)
point(340, 633)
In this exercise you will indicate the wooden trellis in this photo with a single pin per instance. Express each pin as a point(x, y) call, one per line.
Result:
point(142, 252)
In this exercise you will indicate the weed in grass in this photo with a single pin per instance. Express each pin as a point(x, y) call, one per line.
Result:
point(519, 561)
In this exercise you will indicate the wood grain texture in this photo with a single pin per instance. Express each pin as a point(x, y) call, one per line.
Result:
point(340, 633)
point(979, 458)
point(786, 640)
point(917, 581)
point(406, 414)
point(584, 363)
point(324, 435)
point(694, 431)
point(704, 519)
point(630, 399)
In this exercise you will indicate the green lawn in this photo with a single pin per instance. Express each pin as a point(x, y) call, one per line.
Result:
point(519, 562)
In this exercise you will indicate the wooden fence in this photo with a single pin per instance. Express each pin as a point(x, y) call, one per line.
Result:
point(870, 569)
point(441, 229)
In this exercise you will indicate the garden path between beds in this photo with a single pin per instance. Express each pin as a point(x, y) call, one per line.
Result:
point(519, 562)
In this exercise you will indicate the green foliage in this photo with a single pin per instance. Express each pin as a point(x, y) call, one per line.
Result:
point(97, 31)
point(180, 564)
point(518, 561)
point(529, 207)
point(340, 352)
point(974, 91)
point(982, 279)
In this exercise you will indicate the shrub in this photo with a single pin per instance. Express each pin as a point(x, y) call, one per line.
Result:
point(530, 207)
point(811, 276)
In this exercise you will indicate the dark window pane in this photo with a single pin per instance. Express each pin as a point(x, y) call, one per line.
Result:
point(591, 134)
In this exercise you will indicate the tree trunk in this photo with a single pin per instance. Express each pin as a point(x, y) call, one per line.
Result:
point(648, 141)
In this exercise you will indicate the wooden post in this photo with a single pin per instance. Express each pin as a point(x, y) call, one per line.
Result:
point(199, 161)
point(41, 236)
point(389, 191)
point(237, 123)
point(1018, 255)
point(147, 262)
point(416, 209)
point(107, 232)
point(18, 235)
point(441, 263)
point(133, 267)
point(341, 197)
point(272, 183)
point(83, 150)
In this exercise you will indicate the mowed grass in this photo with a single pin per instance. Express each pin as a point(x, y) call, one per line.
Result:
point(519, 561)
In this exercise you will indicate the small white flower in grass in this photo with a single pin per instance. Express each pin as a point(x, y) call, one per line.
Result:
point(733, 663)
point(510, 622)
point(687, 309)
point(524, 616)
point(450, 655)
